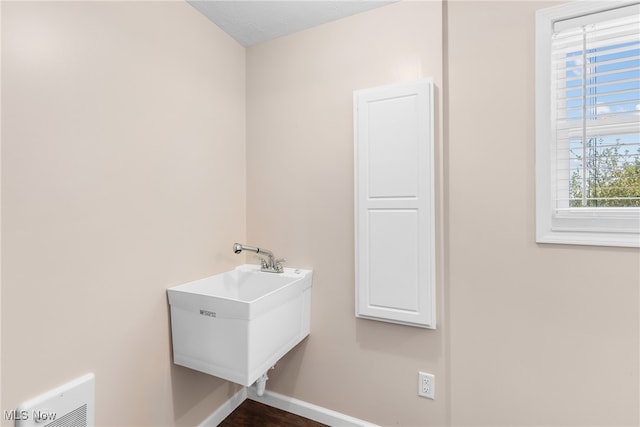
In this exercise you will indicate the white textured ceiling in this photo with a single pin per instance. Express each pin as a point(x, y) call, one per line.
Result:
point(251, 22)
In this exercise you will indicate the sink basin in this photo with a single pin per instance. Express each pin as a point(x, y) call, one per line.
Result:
point(236, 325)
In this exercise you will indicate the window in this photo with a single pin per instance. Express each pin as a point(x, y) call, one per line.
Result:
point(588, 124)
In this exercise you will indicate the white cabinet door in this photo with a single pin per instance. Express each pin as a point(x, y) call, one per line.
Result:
point(394, 203)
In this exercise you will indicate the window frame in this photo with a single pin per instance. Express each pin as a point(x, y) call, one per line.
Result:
point(579, 226)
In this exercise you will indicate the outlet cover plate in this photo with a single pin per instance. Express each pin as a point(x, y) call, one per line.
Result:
point(426, 385)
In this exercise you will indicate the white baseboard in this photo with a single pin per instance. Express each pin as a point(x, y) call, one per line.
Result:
point(307, 410)
point(285, 403)
point(226, 409)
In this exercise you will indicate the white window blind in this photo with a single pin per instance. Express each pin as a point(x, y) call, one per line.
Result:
point(594, 113)
point(596, 80)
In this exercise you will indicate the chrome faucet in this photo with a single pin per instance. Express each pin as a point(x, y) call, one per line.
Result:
point(269, 265)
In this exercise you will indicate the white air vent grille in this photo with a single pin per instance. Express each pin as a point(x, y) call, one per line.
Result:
point(70, 405)
point(77, 418)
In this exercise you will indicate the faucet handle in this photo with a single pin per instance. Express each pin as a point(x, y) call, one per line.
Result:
point(263, 261)
point(278, 264)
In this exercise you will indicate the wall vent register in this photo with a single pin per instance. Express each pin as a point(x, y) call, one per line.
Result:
point(70, 405)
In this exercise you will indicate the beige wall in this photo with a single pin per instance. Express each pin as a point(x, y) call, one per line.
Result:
point(123, 162)
point(540, 334)
point(300, 204)
point(123, 174)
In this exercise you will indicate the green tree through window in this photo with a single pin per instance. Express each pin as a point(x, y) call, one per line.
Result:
point(612, 176)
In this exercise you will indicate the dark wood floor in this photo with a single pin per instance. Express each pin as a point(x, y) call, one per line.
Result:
point(255, 414)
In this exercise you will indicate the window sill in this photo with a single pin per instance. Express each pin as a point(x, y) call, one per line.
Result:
point(628, 240)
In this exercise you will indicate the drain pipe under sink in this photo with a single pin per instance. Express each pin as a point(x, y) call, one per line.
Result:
point(261, 382)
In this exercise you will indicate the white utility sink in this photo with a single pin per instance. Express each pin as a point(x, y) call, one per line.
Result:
point(236, 325)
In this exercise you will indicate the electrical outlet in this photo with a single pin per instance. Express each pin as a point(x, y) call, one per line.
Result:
point(426, 385)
